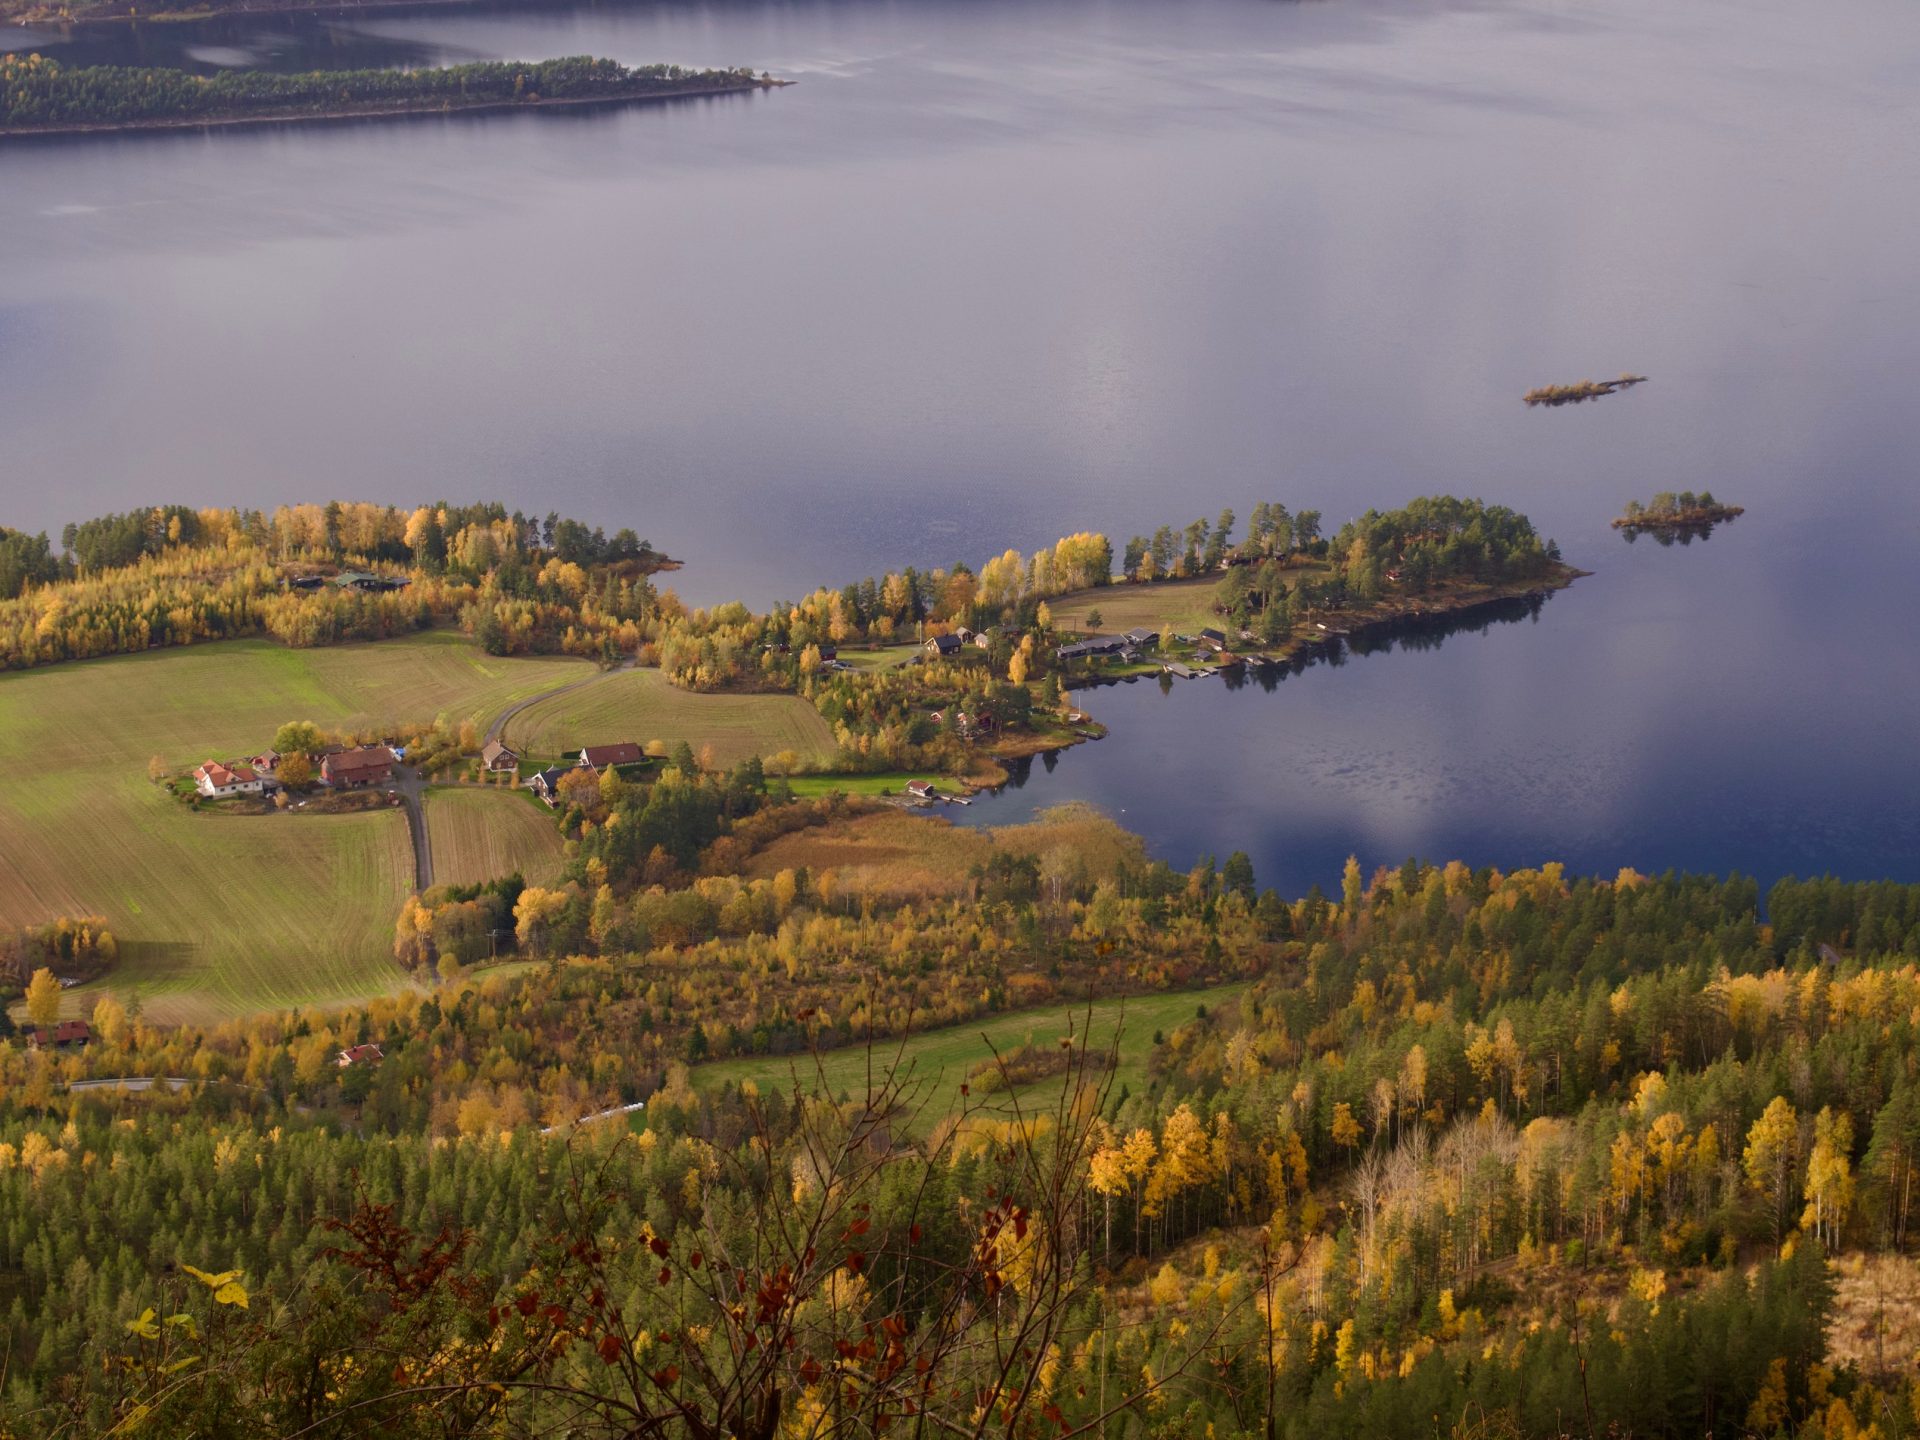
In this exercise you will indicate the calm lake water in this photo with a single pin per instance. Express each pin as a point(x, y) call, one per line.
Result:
point(993, 271)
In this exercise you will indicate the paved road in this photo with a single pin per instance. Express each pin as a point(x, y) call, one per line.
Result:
point(132, 1082)
point(412, 791)
point(632, 1109)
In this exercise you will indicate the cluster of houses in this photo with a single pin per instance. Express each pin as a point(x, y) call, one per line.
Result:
point(1128, 647)
point(341, 768)
point(594, 760)
point(956, 640)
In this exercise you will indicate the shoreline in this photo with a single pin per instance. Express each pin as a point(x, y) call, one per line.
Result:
point(377, 112)
point(1297, 648)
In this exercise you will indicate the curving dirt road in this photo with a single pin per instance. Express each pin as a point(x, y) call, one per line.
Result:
point(500, 721)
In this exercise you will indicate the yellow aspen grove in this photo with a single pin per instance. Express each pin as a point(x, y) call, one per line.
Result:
point(1829, 1186)
point(1772, 1156)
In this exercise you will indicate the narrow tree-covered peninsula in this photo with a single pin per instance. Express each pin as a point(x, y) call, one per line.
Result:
point(42, 96)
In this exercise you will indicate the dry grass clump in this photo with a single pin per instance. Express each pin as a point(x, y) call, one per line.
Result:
point(892, 854)
point(1876, 1313)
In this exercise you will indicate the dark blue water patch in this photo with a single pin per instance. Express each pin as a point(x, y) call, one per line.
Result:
point(1421, 742)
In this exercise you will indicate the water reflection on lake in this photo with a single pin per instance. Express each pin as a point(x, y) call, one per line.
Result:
point(997, 270)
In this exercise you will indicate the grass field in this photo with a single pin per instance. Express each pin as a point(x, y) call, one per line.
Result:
point(942, 1058)
point(887, 657)
point(481, 835)
point(1186, 605)
point(221, 915)
point(891, 783)
point(640, 705)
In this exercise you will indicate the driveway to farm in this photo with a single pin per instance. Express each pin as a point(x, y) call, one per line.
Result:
point(412, 791)
point(499, 726)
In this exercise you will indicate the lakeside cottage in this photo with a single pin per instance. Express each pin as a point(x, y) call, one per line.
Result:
point(1087, 649)
point(217, 781)
point(920, 789)
point(356, 769)
point(497, 757)
point(1141, 638)
point(944, 644)
point(595, 758)
point(1213, 639)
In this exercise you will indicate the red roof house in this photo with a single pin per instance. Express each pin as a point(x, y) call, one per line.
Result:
point(597, 757)
point(215, 780)
point(67, 1032)
point(370, 765)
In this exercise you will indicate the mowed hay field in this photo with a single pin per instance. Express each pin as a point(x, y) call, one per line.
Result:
point(903, 855)
point(640, 705)
point(480, 835)
point(941, 1059)
point(221, 915)
point(1186, 605)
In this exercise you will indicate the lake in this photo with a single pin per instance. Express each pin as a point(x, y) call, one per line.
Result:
point(993, 272)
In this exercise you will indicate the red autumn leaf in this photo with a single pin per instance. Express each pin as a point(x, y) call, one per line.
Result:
point(666, 1274)
point(913, 1234)
point(658, 1246)
point(856, 1262)
point(695, 1259)
point(527, 1304)
point(610, 1348)
point(556, 1315)
point(810, 1371)
point(666, 1377)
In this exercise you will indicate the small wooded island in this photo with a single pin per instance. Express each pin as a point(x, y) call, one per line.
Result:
point(1581, 390)
point(39, 96)
point(1682, 511)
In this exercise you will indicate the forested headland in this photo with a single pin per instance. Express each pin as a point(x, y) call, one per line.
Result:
point(39, 95)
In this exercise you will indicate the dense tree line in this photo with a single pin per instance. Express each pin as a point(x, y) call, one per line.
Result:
point(169, 576)
point(39, 92)
point(25, 560)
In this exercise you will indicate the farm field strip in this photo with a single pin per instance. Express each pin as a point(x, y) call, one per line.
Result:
point(484, 834)
point(641, 705)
